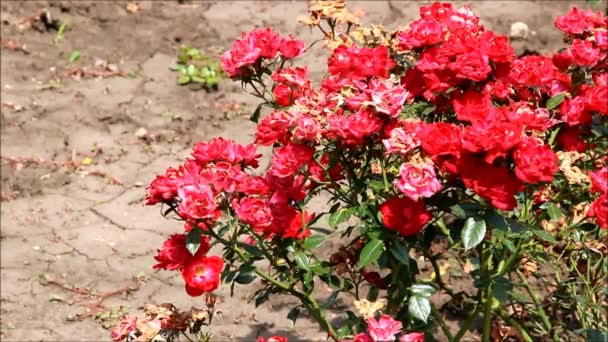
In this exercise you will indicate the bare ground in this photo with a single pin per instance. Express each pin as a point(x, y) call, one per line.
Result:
point(84, 225)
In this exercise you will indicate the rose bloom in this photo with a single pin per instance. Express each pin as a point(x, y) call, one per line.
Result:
point(388, 98)
point(401, 140)
point(353, 129)
point(273, 128)
point(412, 337)
point(226, 150)
point(473, 66)
point(173, 254)
point(283, 95)
point(569, 139)
point(492, 183)
point(584, 53)
point(291, 47)
point(573, 111)
point(307, 128)
point(472, 106)
point(421, 32)
point(287, 160)
point(576, 21)
point(404, 215)
point(440, 139)
point(417, 180)
point(202, 274)
point(254, 211)
point(599, 210)
point(124, 327)
point(362, 337)
point(272, 339)
point(298, 226)
point(599, 180)
point(243, 55)
point(196, 201)
point(383, 329)
point(596, 99)
point(534, 161)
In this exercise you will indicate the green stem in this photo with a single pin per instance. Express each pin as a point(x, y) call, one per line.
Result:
point(487, 315)
point(467, 323)
point(504, 315)
point(541, 312)
point(444, 327)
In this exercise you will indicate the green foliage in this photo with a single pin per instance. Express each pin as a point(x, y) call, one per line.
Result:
point(195, 68)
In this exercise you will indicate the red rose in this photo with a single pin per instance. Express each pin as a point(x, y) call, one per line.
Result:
point(283, 95)
point(287, 160)
point(596, 99)
point(584, 53)
point(562, 60)
point(472, 106)
point(353, 129)
point(496, 139)
point(497, 48)
point(273, 128)
point(472, 66)
point(202, 274)
point(577, 21)
point(404, 215)
point(599, 180)
point(573, 111)
point(272, 339)
point(254, 211)
point(291, 47)
point(421, 32)
point(534, 162)
point(569, 139)
point(173, 254)
point(267, 41)
point(298, 226)
point(599, 210)
point(492, 183)
point(440, 139)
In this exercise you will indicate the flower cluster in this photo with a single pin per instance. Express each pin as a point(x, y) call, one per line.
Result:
point(445, 112)
point(248, 52)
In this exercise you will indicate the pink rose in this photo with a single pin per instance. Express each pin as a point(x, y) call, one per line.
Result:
point(383, 329)
point(412, 337)
point(417, 180)
point(401, 140)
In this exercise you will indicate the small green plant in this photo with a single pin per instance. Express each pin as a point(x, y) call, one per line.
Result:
point(74, 56)
point(60, 32)
point(194, 67)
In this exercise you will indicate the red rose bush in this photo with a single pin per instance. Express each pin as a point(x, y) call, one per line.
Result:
point(443, 154)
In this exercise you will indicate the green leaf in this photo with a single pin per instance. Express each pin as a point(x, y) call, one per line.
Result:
point(321, 268)
point(74, 56)
point(302, 260)
point(399, 251)
point(545, 236)
point(340, 216)
point(193, 240)
point(255, 117)
point(555, 213)
point(371, 252)
point(183, 79)
point(313, 241)
point(464, 210)
point(245, 278)
point(422, 290)
point(473, 233)
point(419, 307)
point(555, 100)
point(293, 314)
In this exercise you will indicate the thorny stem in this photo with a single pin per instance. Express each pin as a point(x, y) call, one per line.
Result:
point(307, 300)
point(442, 325)
point(537, 303)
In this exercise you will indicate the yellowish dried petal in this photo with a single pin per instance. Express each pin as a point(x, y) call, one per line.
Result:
point(367, 309)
